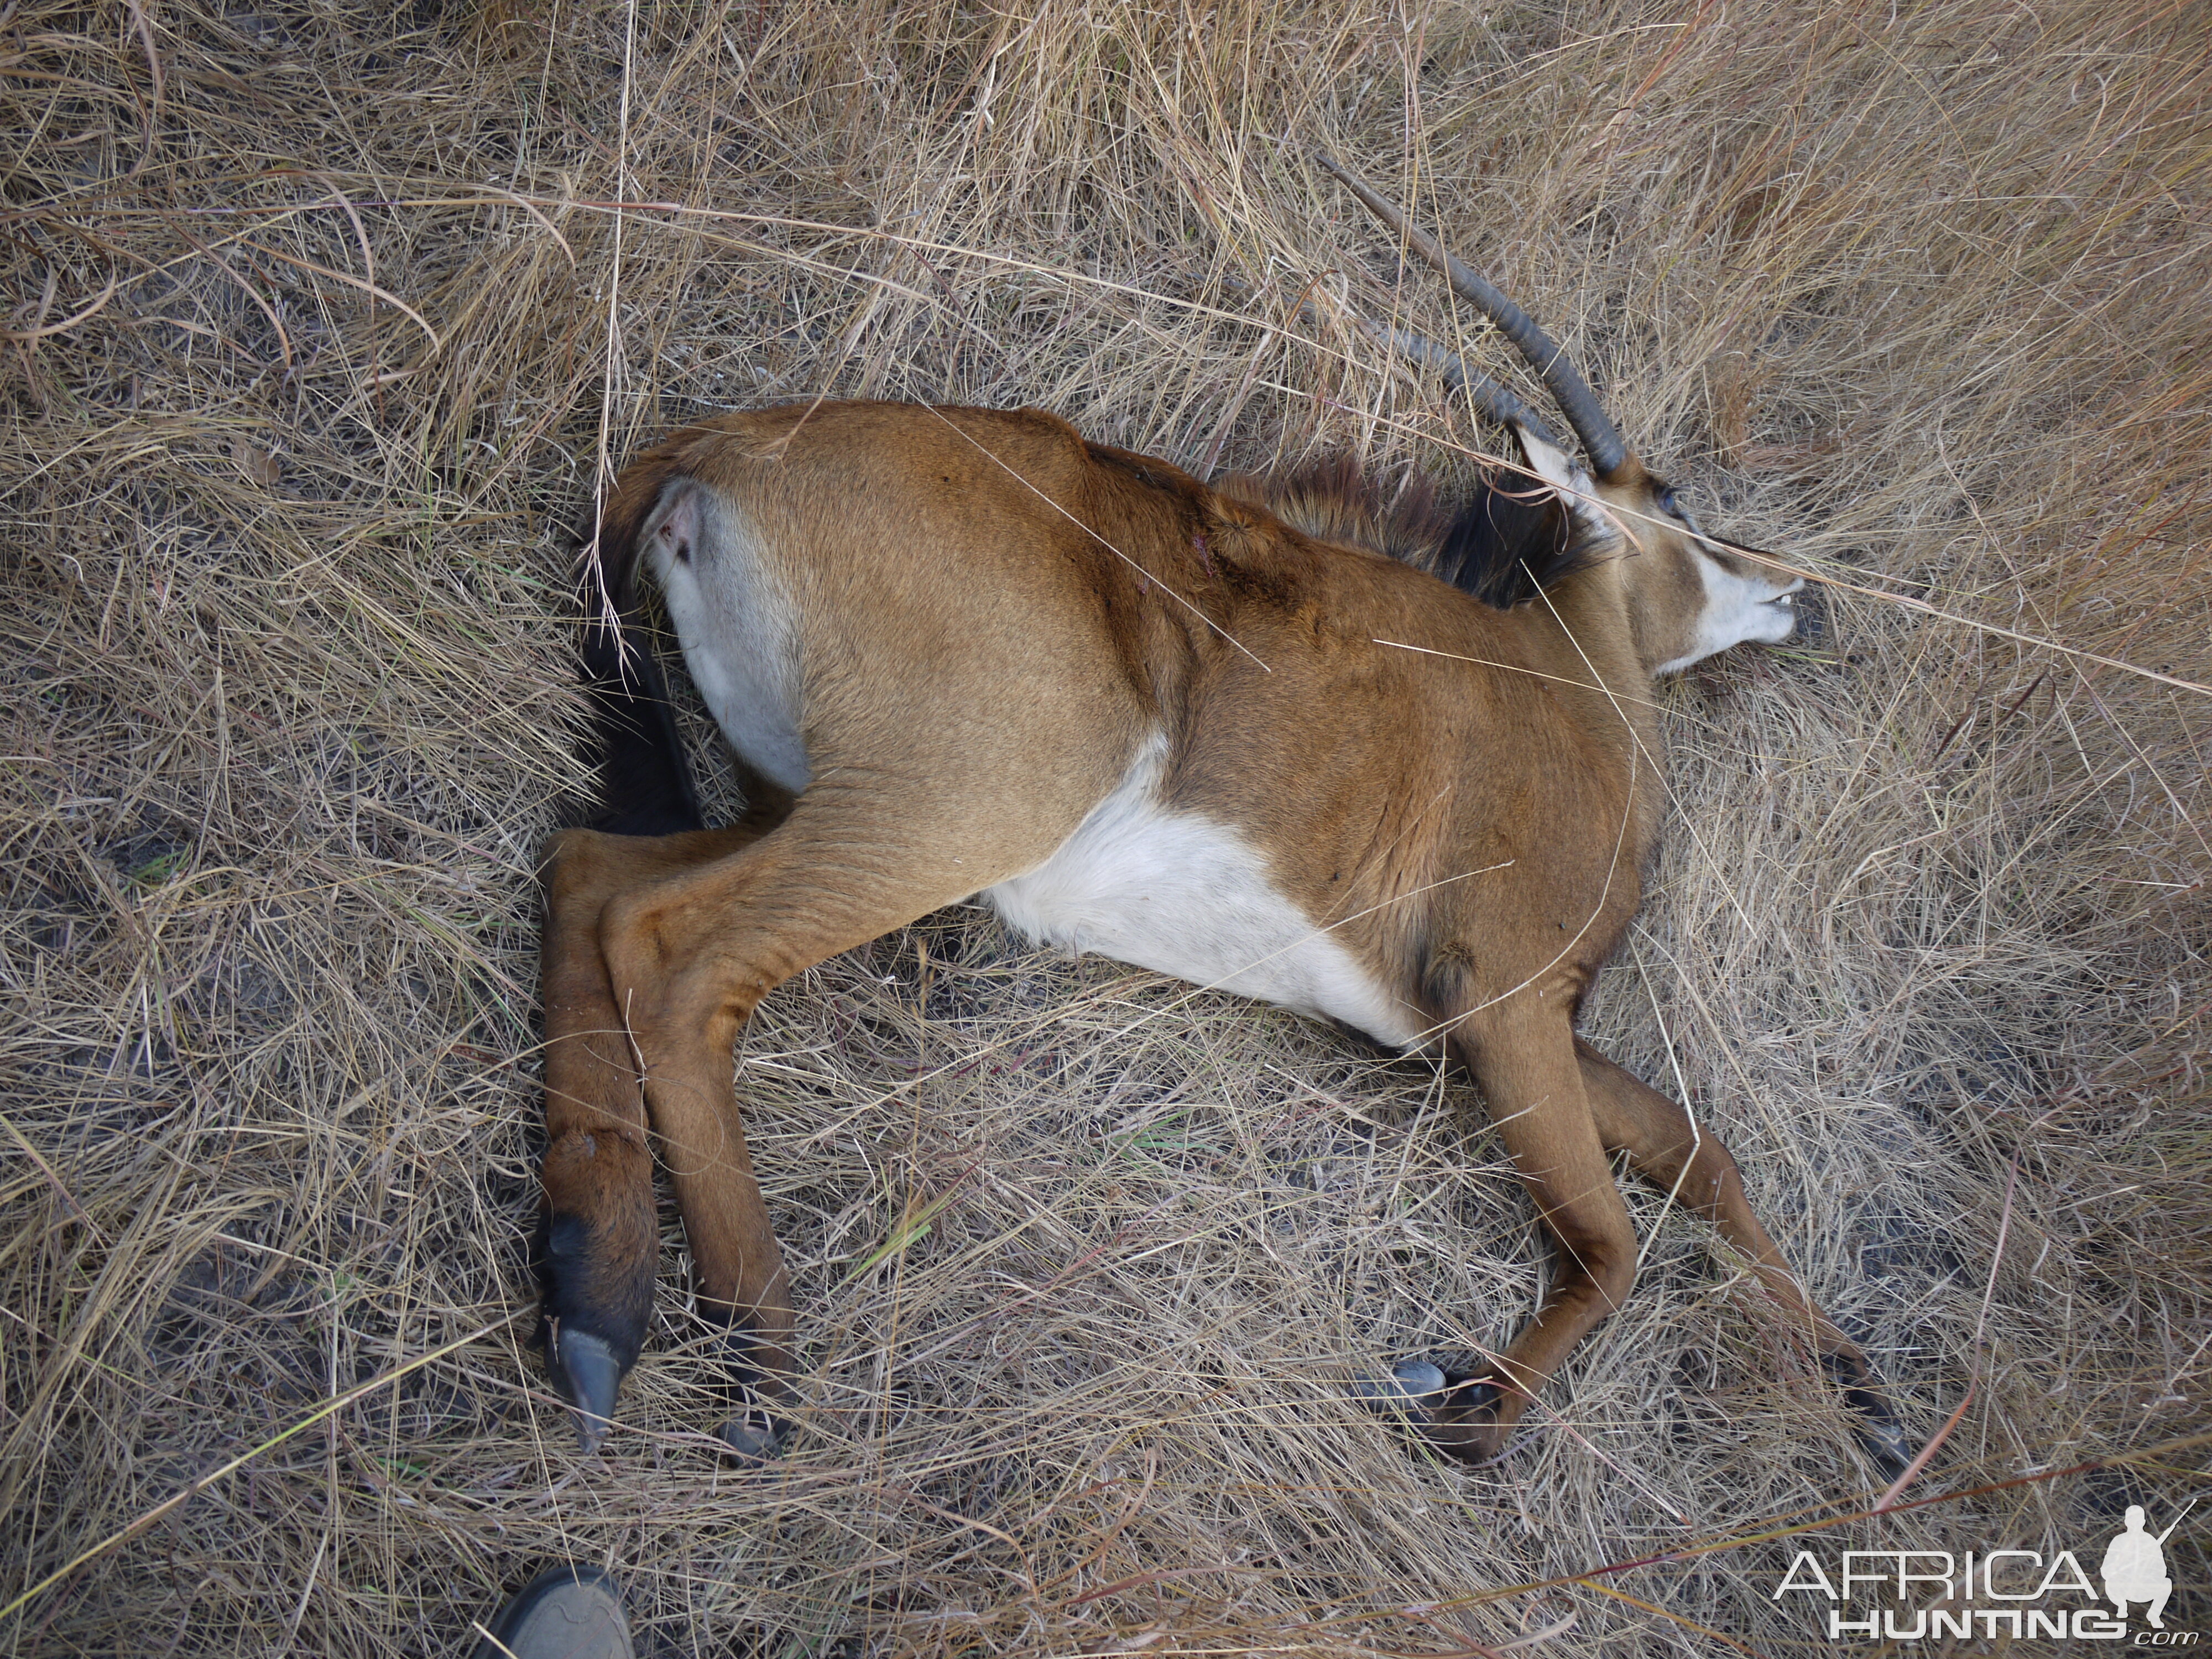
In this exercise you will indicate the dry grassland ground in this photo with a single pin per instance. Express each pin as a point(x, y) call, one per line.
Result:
point(324, 323)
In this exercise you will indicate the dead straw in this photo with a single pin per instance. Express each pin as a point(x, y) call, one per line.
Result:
point(317, 332)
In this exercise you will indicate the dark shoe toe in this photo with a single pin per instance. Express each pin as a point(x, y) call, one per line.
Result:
point(565, 1613)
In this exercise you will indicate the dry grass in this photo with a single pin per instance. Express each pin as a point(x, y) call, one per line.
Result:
point(321, 329)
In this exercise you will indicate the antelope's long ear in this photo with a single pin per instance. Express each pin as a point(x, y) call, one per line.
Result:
point(1557, 468)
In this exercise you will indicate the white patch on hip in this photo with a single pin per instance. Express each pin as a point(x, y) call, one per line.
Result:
point(1182, 894)
point(738, 627)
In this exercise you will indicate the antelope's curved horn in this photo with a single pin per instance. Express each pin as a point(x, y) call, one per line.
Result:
point(1492, 399)
point(1600, 438)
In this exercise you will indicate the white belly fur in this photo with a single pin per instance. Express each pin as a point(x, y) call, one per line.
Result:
point(1182, 894)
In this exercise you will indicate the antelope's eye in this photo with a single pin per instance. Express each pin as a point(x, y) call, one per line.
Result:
point(1666, 500)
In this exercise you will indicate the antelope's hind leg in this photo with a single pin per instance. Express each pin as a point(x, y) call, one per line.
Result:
point(689, 957)
point(599, 1236)
point(1667, 1149)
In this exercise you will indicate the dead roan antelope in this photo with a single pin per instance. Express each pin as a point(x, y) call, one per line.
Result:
point(1390, 769)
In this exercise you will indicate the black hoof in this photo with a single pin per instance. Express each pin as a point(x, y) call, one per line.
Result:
point(1412, 1389)
point(755, 1437)
point(592, 1320)
point(1450, 1412)
point(588, 1375)
point(756, 1432)
point(1881, 1436)
point(1459, 1420)
point(1470, 1397)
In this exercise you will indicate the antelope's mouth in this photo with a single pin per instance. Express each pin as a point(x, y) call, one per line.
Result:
point(1787, 620)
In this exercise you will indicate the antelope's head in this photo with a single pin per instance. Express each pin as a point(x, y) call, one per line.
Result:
point(1686, 595)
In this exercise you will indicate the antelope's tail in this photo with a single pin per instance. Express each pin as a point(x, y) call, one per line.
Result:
point(645, 786)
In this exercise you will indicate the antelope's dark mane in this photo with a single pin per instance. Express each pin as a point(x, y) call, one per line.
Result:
point(1509, 542)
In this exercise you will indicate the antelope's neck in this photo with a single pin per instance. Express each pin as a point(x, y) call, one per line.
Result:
point(1615, 699)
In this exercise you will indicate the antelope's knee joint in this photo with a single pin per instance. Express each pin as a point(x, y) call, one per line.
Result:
point(631, 942)
point(1612, 1271)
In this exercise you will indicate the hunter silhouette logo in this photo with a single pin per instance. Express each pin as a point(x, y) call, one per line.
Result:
point(2134, 1568)
point(1934, 1595)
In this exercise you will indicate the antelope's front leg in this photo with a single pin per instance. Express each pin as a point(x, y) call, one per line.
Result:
point(1676, 1155)
point(599, 1237)
point(1522, 1053)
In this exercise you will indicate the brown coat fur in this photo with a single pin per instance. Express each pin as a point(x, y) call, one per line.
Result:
point(991, 618)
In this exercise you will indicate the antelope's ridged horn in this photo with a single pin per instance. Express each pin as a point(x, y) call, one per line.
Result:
point(1600, 438)
point(1492, 399)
